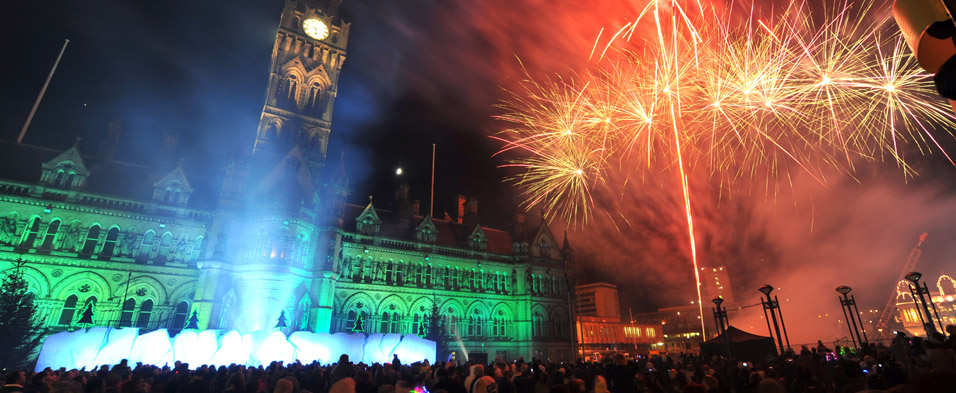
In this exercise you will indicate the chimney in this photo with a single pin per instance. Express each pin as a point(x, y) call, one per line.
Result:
point(107, 149)
point(166, 157)
point(520, 223)
point(402, 204)
point(461, 208)
point(471, 212)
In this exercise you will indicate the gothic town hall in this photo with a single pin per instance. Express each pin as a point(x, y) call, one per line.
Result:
point(273, 237)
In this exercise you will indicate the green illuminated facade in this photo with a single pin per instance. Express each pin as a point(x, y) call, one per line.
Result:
point(149, 246)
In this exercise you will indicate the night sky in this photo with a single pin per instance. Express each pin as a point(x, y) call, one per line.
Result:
point(420, 72)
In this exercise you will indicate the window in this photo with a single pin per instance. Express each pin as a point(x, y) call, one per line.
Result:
point(146, 247)
point(145, 311)
point(92, 238)
point(314, 94)
point(179, 318)
point(50, 236)
point(537, 324)
point(391, 323)
point(126, 317)
point(391, 273)
point(440, 277)
point(69, 309)
point(197, 248)
point(451, 323)
point(32, 232)
point(556, 326)
point(293, 86)
point(350, 320)
point(428, 275)
point(110, 246)
point(474, 326)
point(164, 246)
point(69, 181)
point(498, 327)
point(59, 179)
point(474, 280)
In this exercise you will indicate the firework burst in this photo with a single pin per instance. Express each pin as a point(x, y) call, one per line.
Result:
point(744, 98)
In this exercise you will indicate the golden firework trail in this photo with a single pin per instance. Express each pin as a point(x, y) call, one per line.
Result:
point(745, 97)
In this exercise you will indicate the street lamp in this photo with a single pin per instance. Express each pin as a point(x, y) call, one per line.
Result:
point(773, 305)
point(851, 313)
point(720, 315)
point(919, 291)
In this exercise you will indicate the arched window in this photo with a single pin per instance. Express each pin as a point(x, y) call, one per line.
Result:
point(557, 326)
point(179, 318)
point(197, 248)
point(292, 86)
point(110, 246)
point(428, 275)
point(537, 324)
point(51, 231)
point(168, 196)
point(145, 311)
point(69, 181)
point(164, 246)
point(391, 323)
point(146, 248)
point(498, 327)
point(439, 277)
point(69, 309)
point(350, 320)
point(176, 196)
point(474, 326)
point(314, 91)
point(280, 243)
point(126, 317)
point(31, 233)
point(475, 280)
point(92, 238)
point(271, 130)
point(59, 179)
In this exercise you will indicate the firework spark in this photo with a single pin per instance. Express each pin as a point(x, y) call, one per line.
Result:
point(742, 97)
point(756, 98)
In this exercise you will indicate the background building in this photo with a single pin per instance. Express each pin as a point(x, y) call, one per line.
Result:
point(150, 244)
point(600, 330)
point(680, 327)
point(715, 282)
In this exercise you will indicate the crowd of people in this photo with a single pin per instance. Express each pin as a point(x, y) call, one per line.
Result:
point(905, 365)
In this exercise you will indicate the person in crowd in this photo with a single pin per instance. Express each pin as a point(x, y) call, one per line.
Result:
point(901, 366)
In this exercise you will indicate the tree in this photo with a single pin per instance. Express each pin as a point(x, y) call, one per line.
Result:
point(359, 324)
point(86, 319)
point(434, 331)
point(282, 323)
point(20, 332)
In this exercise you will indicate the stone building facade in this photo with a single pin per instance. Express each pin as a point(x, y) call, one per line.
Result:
point(147, 245)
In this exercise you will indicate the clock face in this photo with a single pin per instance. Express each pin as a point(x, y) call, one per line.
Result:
point(316, 28)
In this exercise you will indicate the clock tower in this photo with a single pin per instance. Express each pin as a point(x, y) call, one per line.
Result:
point(303, 81)
point(274, 244)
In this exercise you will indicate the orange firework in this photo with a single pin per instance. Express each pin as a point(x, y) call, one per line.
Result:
point(743, 97)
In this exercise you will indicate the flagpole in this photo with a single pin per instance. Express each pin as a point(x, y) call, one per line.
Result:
point(26, 125)
point(431, 202)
